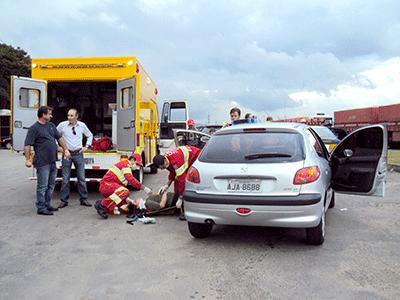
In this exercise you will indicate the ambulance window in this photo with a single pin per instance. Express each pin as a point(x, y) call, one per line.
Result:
point(127, 97)
point(29, 98)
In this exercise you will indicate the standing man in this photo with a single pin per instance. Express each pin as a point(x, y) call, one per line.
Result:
point(42, 136)
point(177, 161)
point(234, 114)
point(190, 123)
point(73, 131)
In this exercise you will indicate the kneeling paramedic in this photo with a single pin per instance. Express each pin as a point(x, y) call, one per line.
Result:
point(113, 186)
point(177, 161)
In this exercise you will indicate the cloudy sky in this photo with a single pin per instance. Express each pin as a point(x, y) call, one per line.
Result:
point(280, 58)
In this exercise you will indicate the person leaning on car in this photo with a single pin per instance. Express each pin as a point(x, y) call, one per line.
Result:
point(42, 136)
point(72, 131)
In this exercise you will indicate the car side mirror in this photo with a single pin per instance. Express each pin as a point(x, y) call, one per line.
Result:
point(348, 152)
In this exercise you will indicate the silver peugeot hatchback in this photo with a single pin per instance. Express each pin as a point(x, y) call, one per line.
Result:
point(280, 175)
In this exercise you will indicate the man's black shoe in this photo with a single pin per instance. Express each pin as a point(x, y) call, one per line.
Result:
point(51, 208)
point(182, 217)
point(44, 213)
point(63, 204)
point(86, 203)
point(101, 210)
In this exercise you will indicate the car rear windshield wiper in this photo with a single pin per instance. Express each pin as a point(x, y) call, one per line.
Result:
point(264, 155)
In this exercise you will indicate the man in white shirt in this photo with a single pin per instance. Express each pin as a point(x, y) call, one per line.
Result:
point(73, 131)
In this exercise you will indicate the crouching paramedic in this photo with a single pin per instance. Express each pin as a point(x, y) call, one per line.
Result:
point(113, 186)
point(177, 161)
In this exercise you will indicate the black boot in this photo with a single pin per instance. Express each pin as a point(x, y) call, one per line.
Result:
point(101, 209)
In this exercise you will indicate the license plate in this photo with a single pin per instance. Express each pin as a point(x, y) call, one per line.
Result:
point(244, 186)
point(89, 160)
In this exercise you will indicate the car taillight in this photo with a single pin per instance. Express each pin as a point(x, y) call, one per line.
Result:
point(307, 175)
point(243, 211)
point(193, 175)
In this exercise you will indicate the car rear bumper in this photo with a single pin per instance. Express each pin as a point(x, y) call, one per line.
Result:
point(302, 211)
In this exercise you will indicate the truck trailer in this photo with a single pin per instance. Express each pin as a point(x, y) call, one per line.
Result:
point(115, 97)
point(389, 115)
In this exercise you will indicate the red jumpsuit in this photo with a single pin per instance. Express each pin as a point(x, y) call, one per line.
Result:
point(180, 159)
point(113, 186)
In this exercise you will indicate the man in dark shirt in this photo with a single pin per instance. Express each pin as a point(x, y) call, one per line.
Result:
point(42, 136)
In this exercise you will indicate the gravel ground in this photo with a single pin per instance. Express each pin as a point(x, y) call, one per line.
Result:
point(76, 255)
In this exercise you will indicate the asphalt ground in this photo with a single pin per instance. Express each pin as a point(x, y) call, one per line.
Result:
point(76, 255)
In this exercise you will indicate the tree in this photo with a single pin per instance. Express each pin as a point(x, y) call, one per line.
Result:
point(13, 61)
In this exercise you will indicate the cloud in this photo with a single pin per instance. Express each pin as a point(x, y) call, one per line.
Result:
point(268, 57)
point(376, 86)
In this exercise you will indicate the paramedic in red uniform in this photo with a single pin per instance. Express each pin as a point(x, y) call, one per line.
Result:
point(113, 186)
point(177, 161)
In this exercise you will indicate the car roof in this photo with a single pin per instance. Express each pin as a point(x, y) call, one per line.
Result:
point(269, 125)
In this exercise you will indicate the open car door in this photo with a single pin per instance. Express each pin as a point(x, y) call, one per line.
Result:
point(126, 114)
point(27, 96)
point(175, 114)
point(359, 162)
point(186, 137)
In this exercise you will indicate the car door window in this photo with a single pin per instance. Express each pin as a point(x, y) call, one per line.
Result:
point(317, 143)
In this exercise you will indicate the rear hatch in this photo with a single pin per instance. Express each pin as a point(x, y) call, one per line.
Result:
point(260, 163)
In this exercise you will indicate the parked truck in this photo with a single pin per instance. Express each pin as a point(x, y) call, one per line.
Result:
point(389, 115)
point(115, 96)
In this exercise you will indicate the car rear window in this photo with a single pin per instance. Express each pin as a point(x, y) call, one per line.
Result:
point(260, 147)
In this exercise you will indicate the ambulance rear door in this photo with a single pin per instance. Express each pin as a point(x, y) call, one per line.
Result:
point(126, 112)
point(27, 96)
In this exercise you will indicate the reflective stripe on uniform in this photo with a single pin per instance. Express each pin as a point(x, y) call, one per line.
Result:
point(179, 171)
point(114, 197)
point(117, 172)
point(126, 171)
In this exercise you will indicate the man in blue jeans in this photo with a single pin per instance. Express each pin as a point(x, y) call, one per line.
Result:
point(73, 132)
point(42, 136)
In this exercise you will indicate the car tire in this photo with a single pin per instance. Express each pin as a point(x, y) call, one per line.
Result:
point(199, 230)
point(332, 203)
point(316, 235)
point(138, 174)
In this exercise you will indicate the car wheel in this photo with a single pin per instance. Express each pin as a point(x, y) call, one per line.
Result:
point(200, 230)
point(138, 174)
point(332, 204)
point(316, 235)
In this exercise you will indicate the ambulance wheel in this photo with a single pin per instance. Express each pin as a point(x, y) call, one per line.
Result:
point(138, 174)
point(200, 230)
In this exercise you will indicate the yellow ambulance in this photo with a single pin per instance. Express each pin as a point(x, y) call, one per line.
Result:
point(115, 97)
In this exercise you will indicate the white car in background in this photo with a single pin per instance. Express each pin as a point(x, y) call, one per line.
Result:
point(280, 175)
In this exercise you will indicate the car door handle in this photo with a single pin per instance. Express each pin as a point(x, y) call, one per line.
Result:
point(128, 127)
